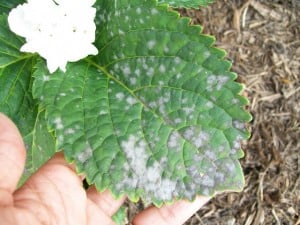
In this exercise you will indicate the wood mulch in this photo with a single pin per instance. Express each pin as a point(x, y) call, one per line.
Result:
point(262, 38)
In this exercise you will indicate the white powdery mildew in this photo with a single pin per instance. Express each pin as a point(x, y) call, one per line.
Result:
point(46, 78)
point(229, 166)
point(177, 60)
point(238, 125)
point(207, 181)
point(86, 154)
point(189, 110)
point(103, 112)
point(220, 177)
point(209, 105)
point(216, 82)
point(160, 103)
point(60, 138)
point(166, 190)
point(133, 81)
point(138, 10)
point(69, 131)
point(210, 154)
point(150, 71)
point(162, 68)
point(58, 123)
point(236, 145)
point(126, 70)
point(154, 11)
point(142, 176)
point(151, 44)
point(198, 138)
point(120, 96)
point(131, 100)
point(174, 141)
point(135, 152)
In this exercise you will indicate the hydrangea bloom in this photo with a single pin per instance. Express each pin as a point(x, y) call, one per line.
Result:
point(60, 31)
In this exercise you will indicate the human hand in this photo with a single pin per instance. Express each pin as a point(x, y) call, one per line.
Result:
point(55, 194)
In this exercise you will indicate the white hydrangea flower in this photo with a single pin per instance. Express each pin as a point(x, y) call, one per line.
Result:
point(60, 31)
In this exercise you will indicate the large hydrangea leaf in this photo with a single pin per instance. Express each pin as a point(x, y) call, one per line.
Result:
point(156, 115)
point(186, 3)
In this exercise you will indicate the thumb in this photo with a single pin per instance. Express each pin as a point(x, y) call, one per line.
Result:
point(12, 156)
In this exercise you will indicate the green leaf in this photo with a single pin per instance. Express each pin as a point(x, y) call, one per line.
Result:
point(10, 45)
point(7, 5)
point(15, 96)
point(120, 217)
point(16, 79)
point(156, 114)
point(186, 3)
point(40, 145)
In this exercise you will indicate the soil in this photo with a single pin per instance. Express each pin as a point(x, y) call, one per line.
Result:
point(262, 38)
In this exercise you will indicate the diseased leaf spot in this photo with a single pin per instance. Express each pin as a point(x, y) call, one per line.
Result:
point(174, 141)
point(196, 136)
point(46, 78)
point(162, 68)
point(85, 154)
point(131, 101)
point(151, 44)
point(142, 176)
point(120, 96)
point(58, 123)
point(216, 82)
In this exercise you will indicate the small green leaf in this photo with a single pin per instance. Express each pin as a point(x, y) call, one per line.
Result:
point(156, 114)
point(120, 217)
point(7, 5)
point(10, 45)
point(186, 3)
point(16, 99)
point(15, 95)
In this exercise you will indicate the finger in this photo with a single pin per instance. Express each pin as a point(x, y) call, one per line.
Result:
point(59, 159)
point(105, 201)
point(95, 215)
point(175, 214)
point(12, 155)
point(54, 192)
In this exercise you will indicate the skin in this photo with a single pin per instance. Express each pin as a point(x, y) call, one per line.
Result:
point(54, 195)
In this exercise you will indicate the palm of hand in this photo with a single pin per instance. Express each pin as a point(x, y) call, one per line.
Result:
point(55, 195)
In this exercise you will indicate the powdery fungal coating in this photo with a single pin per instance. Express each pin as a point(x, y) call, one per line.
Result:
point(120, 96)
point(58, 123)
point(174, 141)
point(197, 137)
point(216, 82)
point(139, 175)
point(85, 155)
